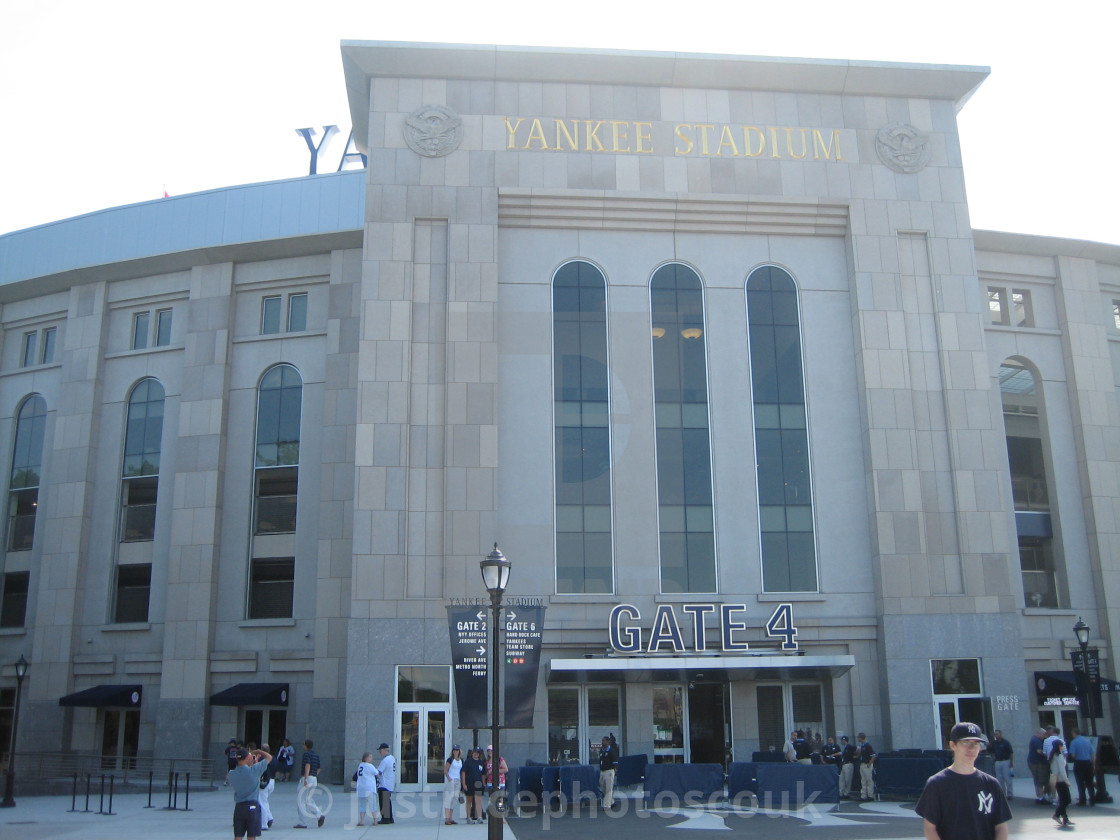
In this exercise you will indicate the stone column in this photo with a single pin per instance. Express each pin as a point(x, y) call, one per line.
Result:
point(183, 710)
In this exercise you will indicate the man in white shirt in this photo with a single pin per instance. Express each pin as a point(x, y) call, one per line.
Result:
point(386, 782)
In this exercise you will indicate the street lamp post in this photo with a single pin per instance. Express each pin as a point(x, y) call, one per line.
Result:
point(9, 784)
point(495, 575)
point(1081, 630)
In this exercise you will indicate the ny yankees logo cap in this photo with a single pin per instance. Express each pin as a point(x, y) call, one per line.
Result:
point(968, 732)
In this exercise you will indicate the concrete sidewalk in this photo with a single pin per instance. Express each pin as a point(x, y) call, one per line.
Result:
point(420, 816)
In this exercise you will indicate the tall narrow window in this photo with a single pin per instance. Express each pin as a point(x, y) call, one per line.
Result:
point(279, 407)
point(27, 461)
point(1029, 485)
point(163, 327)
point(140, 471)
point(30, 342)
point(785, 498)
point(49, 336)
point(13, 606)
point(684, 464)
point(583, 468)
point(140, 330)
point(297, 312)
point(270, 315)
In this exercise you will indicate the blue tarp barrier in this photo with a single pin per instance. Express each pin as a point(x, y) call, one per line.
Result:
point(905, 776)
point(795, 785)
point(631, 770)
point(578, 783)
point(698, 781)
point(524, 786)
point(742, 778)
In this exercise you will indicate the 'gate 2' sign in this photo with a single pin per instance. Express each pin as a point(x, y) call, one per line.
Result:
point(665, 634)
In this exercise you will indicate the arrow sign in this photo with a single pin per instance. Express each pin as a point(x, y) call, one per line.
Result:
point(468, 629)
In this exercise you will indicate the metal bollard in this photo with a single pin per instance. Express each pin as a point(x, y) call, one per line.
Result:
point(187, 794)
point(74, 796)
point(88, 775)
point(151, 774)
point(101, 804)
point(109, 813)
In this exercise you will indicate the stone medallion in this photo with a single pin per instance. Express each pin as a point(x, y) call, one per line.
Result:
point(433, 130)
point(902, 148)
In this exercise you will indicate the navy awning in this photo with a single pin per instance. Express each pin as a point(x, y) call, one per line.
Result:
point(252, 694)
point(105, 695)
point(1062, 685)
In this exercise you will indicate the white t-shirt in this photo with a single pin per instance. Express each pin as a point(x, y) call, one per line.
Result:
point(455, 769)
point(367, 779)
point(387, 773)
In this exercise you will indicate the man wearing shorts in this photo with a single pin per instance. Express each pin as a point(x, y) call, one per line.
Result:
point(245, 779)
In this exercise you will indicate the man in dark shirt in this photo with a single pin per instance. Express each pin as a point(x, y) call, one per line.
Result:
point(1004, 757)
point(961, 802)
point(866, 757)
point(309, 779)
point(830, 753)
point(608, 764)
point(849, 760)
point(1038, 765)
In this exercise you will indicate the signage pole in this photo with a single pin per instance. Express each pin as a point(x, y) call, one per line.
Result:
point(497, 815)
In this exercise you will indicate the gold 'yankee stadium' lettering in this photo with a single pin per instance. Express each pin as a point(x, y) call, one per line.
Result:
point(781, 142)
point(578, 135)
point(538, 134)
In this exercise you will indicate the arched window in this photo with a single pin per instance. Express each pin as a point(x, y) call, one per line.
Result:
point(781, 440)
point(27, 463)
point(583, 455)
point(684, 464)
point(276, 485)
point(1030, 487)
point(140, 471)
point(143, 440)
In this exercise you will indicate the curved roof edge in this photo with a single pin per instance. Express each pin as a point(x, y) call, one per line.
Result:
point(1045, 246)
point(311, 206)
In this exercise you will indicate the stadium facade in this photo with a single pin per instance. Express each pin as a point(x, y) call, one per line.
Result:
point(772, 437)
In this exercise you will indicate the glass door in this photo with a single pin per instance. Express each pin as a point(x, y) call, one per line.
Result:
point(709, 723)
point(120, 738)
point(266, 726)
point(421, 747)
point(668, 724)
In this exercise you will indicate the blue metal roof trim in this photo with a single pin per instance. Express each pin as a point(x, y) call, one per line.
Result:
point(314, 204)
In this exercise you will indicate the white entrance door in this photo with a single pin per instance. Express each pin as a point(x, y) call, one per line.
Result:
point(421, 747)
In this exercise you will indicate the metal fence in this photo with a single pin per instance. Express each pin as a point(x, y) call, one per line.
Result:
point(53, 766)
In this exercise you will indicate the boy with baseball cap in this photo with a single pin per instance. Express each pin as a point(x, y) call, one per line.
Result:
point(961, 802)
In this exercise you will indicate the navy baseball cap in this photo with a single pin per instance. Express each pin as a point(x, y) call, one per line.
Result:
point(968, 732)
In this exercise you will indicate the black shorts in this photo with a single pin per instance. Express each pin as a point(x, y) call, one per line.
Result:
point(247, 819)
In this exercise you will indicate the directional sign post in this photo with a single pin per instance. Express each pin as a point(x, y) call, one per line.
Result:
point(524, 628)
point(470, 645)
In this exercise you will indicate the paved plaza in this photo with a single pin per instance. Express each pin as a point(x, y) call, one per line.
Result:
point(419, 816)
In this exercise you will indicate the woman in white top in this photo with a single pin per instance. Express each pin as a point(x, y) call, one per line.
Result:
point(452, 784)
point(1060, 779)
point(365, 786)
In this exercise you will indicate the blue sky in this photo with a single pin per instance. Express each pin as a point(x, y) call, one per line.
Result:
point(109, 103)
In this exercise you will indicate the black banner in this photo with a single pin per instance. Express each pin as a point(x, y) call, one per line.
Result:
point(524, 628)
point(1088, 675)
point(470, 646)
